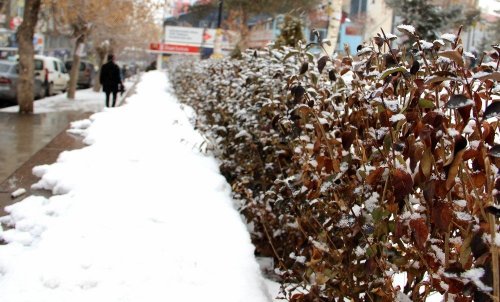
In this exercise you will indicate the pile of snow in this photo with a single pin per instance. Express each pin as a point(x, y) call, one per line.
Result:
point(143, 215)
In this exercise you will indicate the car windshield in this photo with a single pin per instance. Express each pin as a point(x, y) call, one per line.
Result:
point(38, 64)
point(5, 67)
point(68, 65)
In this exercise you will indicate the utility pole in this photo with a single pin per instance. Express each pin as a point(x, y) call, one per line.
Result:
point(218, 34)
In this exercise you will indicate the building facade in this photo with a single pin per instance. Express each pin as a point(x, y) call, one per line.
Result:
point(174, 8)
point(365, 18)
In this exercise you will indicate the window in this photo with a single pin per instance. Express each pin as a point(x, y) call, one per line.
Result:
point(4, 67)
point(56, 67)
point(322, 35)
point(278, 22)
point(38, 65)
point(62, 68)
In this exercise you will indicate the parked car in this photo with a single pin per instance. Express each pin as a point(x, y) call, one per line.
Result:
point(86, 73)
point(8, 82)
point(53, 74)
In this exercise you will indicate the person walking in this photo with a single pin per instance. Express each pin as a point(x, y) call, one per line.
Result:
point(110, 79)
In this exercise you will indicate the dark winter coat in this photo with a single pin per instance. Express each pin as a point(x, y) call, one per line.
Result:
point(110, 77)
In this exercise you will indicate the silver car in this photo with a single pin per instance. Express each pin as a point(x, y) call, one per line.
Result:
point(86, 73)
point(8, 82)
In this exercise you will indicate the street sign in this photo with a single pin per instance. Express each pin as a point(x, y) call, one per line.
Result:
point(38, 42)
point(183, 35)
point(174, 49)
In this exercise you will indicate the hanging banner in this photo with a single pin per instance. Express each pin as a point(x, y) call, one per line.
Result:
point(190, 40)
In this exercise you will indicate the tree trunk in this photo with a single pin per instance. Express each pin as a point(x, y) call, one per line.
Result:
point(244, 30)
point(75, 67)
point(101, 55)
point(334, 10)
point(25, 33)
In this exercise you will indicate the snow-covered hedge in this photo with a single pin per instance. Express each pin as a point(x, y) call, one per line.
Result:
point(351, 171)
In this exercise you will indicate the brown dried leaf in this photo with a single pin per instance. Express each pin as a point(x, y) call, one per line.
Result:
point(380, 293)
point(478, 102)
point(465, 113)
point(321, 163)
point(375, 176)
point(436, 80)
point(435, 119)
point(298, 93)
point(317, 146)
point(478, 245)
point(303, 68)
point(426, 163)
point(297, 297)
point(402, 183)
point(401, 229)
point(420, 232)
point(488, 133)
point(478, 179)
point(492, 76)
point(426, 135)
point(344, 71)
point(470, 154)
point(384, 117)
point(347, 139)
point(347, 61)
point(453, 55)
point(442, 215)
point(332, 76)
point(453, 167)
point(328, 165)
point(429, 191)
point(322, 63)
point(420, 85)
point(371, 265)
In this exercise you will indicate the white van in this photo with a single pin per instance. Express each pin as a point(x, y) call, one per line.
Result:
point(53, 74)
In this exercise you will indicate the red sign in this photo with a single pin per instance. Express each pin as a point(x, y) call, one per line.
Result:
point(171, 48)
point(15, 22)
point(206, 36)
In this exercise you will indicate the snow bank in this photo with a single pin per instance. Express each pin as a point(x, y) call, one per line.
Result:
point(144, 216)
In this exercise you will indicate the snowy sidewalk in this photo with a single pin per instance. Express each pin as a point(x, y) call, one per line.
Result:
point(141, 215)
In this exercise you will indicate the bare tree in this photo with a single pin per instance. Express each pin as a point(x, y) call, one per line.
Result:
point(240, 11)
point(134, 32)
point(100, 21)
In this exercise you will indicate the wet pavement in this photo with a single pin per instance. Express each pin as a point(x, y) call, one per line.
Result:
point(23, 135)
point(31, 140)
point(27, 141)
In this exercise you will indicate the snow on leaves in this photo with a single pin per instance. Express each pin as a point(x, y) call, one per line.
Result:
point(407, 29)
point(457, 101)
point(354, 173)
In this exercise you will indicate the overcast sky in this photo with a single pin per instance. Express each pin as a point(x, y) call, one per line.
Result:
point(490, 5)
